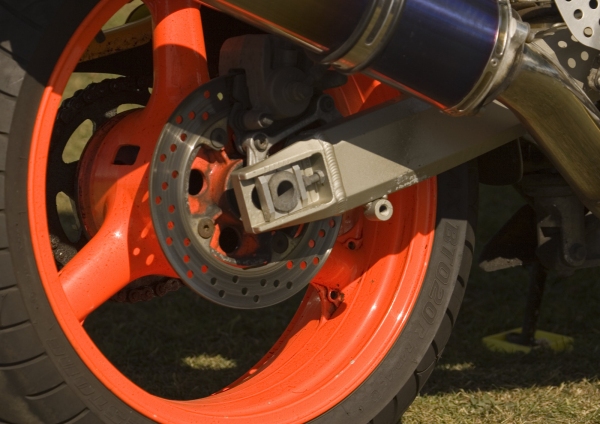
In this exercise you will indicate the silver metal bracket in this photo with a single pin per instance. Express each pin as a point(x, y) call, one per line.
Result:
point(363, 158)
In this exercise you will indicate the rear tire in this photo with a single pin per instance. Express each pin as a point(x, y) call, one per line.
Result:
point(43, 378)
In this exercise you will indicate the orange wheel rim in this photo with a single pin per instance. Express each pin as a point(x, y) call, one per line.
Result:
point(350, 316)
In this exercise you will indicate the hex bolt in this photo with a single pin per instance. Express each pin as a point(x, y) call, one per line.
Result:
point(261, 142)
point(218, 137)
point(206, 228)
point(317, 177)
point(379, 210)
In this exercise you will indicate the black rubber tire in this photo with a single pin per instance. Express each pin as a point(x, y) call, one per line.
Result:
point(42, 380)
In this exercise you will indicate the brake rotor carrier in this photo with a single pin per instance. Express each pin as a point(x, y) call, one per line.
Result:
point(197, 221)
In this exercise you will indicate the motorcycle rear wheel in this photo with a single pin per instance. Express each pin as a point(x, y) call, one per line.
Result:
point(364, 363)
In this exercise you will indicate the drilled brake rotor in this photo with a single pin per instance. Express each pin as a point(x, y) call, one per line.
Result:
point(197, 220)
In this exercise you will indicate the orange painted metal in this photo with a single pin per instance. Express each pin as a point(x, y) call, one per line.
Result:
point(124, 246)
point(321, 357)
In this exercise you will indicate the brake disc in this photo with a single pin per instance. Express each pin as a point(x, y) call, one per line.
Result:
point(197, 221)
point(583, 19)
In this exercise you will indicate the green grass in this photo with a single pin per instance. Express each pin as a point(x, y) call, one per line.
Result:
point(472, 384)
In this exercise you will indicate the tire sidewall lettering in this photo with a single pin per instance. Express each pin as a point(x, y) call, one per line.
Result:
point(443, 273)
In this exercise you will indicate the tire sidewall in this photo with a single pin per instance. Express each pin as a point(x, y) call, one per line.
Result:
point(101, 401)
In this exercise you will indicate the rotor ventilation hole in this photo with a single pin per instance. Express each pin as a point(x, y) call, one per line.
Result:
point(578, 14)
point(289, 285)
point(244, 291)
point(190, 274)
point(196, 182)
point(235, 279)
point(179, 119)
point(222, 293)
point(315, 261)
point(171, 208)
point(173, 148)
point(207, 94)
point(256, 299)
point(276, 283)
point(213, 281)
point(192, 115)
point(263, 282)
point(174, 174)
point(229, 240)
point(163, 157)
point(204, 269)
point(183, 137)
point(311, 244)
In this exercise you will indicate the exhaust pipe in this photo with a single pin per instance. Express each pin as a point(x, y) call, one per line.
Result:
point(455, 54)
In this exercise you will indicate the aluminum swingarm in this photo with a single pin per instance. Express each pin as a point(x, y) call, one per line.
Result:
point(360, 160)
point(458, 55)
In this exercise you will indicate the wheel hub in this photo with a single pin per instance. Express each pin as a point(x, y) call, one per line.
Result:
point(197, 220)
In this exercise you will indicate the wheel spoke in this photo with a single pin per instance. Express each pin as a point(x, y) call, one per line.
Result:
point(179, 55)
point(97, 272)
point(121, 252)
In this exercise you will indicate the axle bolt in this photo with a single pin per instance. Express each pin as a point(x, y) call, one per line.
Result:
point(206, 228)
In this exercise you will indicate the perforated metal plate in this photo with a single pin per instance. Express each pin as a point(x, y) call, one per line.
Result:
point(583, 19)
point(212, 274)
